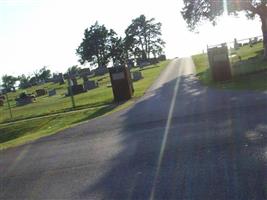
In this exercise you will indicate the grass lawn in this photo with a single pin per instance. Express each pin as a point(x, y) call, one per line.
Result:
point(249, 73)
point(95, 103)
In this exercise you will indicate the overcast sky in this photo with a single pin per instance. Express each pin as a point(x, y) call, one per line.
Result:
point(37, 33)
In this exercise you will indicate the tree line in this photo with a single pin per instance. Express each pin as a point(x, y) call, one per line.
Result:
point(141, 42)
point(41, 75)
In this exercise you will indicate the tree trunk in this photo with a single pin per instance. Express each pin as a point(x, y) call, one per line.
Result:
point(264, 32)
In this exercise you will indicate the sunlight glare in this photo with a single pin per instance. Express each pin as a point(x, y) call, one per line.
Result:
point(225, 7)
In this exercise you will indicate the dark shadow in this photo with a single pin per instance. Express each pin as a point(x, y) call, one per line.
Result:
point(99, 112)
point(215, 146)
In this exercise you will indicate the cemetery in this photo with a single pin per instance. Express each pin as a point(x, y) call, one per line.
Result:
point(248, 69)
point(90, 104)
point(88, 90)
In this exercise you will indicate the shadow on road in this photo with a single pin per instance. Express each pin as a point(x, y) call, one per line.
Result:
point(215, 147)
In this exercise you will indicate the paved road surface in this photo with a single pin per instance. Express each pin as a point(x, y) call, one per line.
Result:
point(180, 141)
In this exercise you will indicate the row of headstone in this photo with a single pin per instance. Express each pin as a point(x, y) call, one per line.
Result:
point(58, 78)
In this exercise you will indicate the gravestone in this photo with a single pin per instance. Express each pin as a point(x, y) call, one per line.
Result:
point(153, 61)
point(137, 75)
point(89, 85)
point(25, 99)
point(143, 64)
point(52, 92)
point(40, 92)
point(76, 89)
point(162, 57)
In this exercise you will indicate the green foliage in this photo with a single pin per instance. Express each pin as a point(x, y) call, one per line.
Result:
point(24, 81)
point(74, 70)
point(143, 37)
point(194, 11)
point(118, 51)
point(8, 82)
point(44, 74)
point(95, 47)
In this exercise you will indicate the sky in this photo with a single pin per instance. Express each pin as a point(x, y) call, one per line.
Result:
point(37, 33)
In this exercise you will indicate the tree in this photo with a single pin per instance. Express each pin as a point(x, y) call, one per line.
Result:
point(74, 70)
point(9, 82)
point(33, 80)
point(129, 45)
point(24, 81)
point(44, 74)
point(118, 51)
point(144, 34)
point(194, 11)
point(95, 47)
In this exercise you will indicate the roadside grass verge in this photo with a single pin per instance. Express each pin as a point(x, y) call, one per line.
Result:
point(20, 132)
point(249, 73)
point(25, 131)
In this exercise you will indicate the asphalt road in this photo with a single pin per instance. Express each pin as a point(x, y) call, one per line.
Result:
point(180, 141)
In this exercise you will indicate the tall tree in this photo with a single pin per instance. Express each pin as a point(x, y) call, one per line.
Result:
point(144, 34)
point(24, 81)
point(9, 82)
point(195, 11)
point(44, 74)
point(95, 47)
point(118, 51)
point(129, 45)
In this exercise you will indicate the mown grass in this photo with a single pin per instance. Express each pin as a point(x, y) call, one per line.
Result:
point(24, 131)
point(20, 132)
point(49, 105)
point(249, 70)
